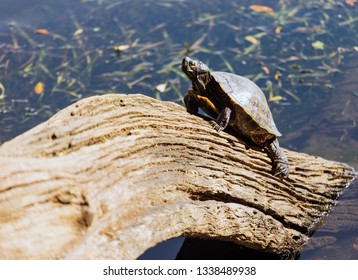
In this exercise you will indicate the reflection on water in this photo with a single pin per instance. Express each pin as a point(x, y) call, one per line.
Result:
point(302, 53)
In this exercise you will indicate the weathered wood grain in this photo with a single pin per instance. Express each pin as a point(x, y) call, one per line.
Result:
point(113, 175)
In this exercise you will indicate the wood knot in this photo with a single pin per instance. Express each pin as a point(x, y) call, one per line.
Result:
point(76, 197)
point(71, 197)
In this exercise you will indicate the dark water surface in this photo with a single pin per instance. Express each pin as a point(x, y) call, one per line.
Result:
point(303, 54)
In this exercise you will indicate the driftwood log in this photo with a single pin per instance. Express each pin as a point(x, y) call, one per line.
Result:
point(111, 176)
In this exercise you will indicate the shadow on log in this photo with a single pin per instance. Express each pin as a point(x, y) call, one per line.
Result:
point(113, 175)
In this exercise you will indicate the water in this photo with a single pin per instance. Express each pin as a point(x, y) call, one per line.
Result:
point(304, 56)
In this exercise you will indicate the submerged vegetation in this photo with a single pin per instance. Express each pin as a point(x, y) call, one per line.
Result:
point(291, 49)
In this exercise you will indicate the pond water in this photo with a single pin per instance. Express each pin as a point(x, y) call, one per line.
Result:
point(302, 53)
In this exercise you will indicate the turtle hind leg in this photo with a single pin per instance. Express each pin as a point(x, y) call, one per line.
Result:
point(222, 120)
point(279, 159)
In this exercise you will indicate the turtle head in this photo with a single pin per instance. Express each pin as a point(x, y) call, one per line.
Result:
point(196, 71)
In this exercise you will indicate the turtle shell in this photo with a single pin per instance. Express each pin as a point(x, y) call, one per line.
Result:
point(252, 114)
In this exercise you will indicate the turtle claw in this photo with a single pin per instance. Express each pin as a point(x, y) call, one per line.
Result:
point(215, 125)
point(280, 169)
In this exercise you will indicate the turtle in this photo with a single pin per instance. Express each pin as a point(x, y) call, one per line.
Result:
point(236, 101)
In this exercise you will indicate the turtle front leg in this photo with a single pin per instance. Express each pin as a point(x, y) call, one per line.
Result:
point(279, 159)
point(222, 120)
point(190, 103)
